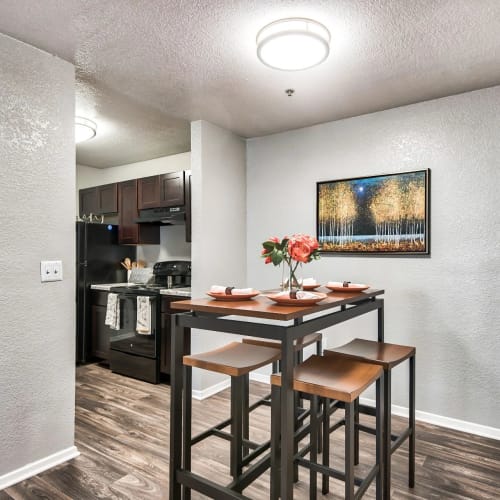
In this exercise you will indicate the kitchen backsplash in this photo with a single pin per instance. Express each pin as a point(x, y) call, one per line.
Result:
point(172, 246)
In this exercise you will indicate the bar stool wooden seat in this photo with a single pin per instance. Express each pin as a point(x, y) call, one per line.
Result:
point(236, 360)
point(387, 356)
point(299, 345)
point(341, 380)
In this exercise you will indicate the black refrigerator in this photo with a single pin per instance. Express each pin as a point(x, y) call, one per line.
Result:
point(98, 257)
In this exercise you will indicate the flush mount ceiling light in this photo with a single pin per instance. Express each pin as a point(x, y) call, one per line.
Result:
point(85, 129)
point(293, 44)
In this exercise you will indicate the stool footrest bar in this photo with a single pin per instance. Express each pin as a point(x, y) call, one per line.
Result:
point(207, 487)
point(322, 469)
point(399, 439)
point(255, 453)
point(251, 474)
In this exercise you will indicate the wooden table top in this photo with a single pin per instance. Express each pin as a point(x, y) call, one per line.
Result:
point(263, 307)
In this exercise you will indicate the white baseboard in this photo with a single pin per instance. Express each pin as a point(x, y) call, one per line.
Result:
point(213, 389)
point(421, 416)
point(34, 468)
point(260, 377)
point(448, 422)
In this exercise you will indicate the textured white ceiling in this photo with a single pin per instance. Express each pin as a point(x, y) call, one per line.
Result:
point(145, 69)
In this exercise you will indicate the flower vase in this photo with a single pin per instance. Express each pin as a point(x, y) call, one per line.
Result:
point(291, 278)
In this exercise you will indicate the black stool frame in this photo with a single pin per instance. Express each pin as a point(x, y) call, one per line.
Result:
point(350, 480)
point(392, 441)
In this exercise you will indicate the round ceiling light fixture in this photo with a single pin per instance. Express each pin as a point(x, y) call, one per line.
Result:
point(293, 44)
point(85, 129)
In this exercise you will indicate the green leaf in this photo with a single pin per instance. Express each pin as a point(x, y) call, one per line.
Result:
point(269, 245)
point(277, 257)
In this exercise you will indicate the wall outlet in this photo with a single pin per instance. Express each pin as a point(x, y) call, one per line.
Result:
point(51, 270)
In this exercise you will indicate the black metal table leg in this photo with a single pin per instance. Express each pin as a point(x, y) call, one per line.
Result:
point(379, 448)
point(275, 442)
point(237, 395)
point(380, 322)
point(186, 425)
point(313, 454)
point(349, 451)
point(411, 418)
point(287, 418)
point(176, 388)
point(387, 434)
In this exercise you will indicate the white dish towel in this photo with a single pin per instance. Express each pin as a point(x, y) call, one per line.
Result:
point(113, 312)
point(143, 325)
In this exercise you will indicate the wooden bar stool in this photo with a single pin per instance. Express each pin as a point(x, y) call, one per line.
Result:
point(299, 345)
point(340, 380)
point(236, 360)
point(387, 356)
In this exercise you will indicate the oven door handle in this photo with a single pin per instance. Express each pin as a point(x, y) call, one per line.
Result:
point(132, 295)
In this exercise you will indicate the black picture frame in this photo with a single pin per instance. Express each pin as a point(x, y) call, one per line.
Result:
point(386, 214)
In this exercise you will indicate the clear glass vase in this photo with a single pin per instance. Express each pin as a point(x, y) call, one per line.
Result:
point(291, 277)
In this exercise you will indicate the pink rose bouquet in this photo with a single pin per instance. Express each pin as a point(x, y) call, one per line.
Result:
point(293, 250)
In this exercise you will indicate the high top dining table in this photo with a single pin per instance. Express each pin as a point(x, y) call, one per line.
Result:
point(236, 317)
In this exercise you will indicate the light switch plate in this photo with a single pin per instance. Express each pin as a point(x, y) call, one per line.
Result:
point(51, 270)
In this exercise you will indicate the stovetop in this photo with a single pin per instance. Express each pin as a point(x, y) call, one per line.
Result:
point(151, 289)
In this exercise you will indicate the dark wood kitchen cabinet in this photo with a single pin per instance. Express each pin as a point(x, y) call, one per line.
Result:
point(166, 332)
point(99, 200)
point(148, 192)
point(88, 201)
point(166, 190)
point(130, 233)
point(99, 340)
point(172, 189)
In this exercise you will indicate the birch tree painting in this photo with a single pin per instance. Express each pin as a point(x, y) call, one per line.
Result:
point(378, 214)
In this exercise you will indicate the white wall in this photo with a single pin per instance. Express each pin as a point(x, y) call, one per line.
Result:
point(446, 305)
point(219, 224)
point(37, 330)
point(172, 238)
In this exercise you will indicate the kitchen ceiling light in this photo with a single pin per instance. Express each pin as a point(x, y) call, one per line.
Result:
point(85, 129)
point(293, 44)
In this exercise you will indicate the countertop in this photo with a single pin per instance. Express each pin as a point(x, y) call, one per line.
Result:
point(177, 292)
point(106, 286)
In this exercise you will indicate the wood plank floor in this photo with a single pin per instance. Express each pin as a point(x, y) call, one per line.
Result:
point(122, 432)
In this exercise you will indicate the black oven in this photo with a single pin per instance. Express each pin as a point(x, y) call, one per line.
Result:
point(135, 353)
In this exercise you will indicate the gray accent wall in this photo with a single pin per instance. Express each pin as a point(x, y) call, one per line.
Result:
point(37, 207)
point(446, 305)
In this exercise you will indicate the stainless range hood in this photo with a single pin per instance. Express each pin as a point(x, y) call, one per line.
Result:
point(162, 215)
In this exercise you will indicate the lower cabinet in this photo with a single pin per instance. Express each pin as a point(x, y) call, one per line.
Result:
point(99, 341)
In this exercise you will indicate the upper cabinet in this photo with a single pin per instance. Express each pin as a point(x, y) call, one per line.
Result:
point(88, 201)
point(99, 200)
point(130, 233)
point(166, 190)
point(172, 189)
point(127, 198)
point(148, 192)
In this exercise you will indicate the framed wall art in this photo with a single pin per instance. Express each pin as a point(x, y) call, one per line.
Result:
point(380, 214)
